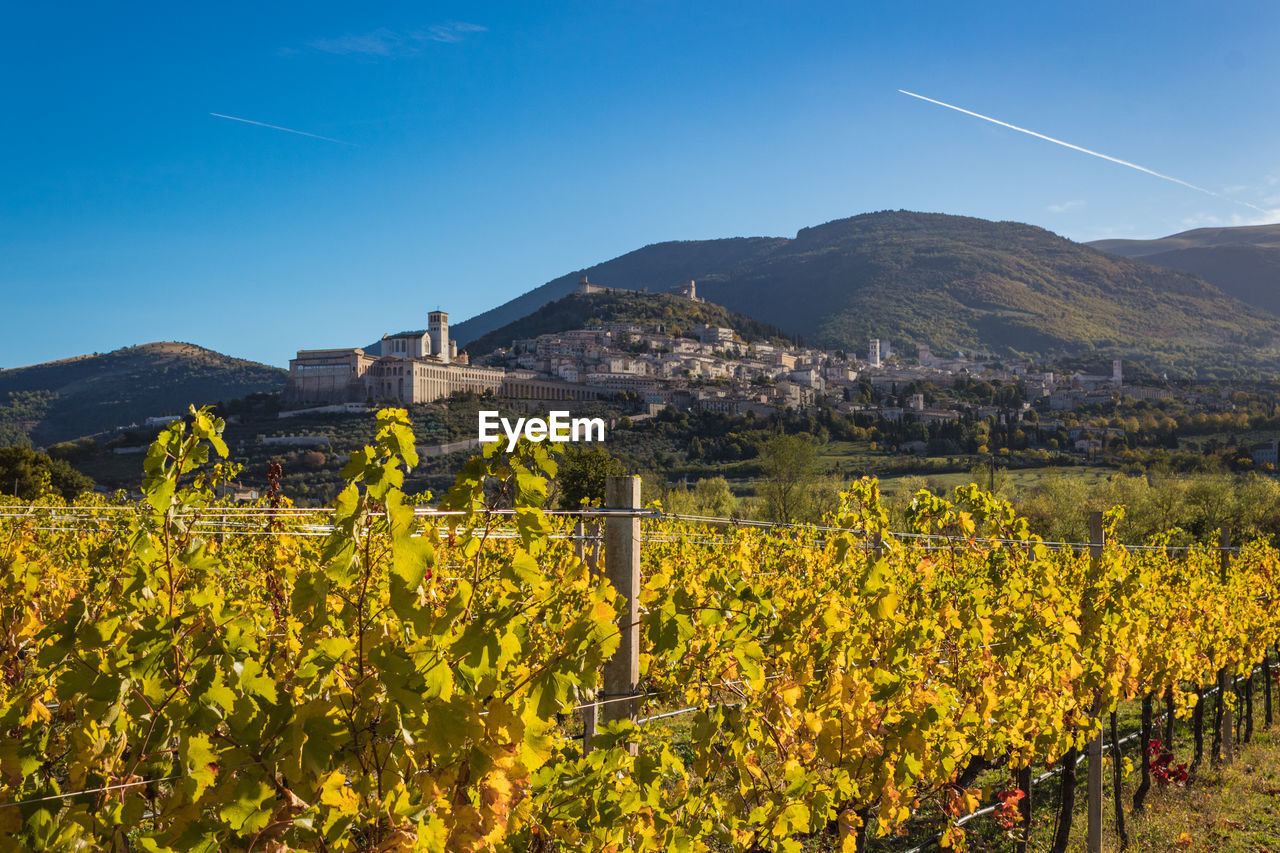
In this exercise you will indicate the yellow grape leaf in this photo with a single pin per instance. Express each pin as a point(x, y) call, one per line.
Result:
point(36, 713)
point(337, 795)
point(886, 606)
point(495, 792)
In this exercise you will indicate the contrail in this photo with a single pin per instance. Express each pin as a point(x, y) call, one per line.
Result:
point(285, 129)
point(1086, 151)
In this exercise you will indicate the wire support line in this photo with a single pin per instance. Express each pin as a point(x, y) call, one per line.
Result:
point(321, 531)
point(668, 714)
point(66, 795)
point(747, 522)
point(104, 789)
point(601, 512)
point(663, 716)
point(1029, 543)
point(116, 509)
point(311, 530)
point(214, 522)
point(713, 686)
point(691, 540)
point(893, 534)
point(224, 530)
point(611, 700)
point(589, 512)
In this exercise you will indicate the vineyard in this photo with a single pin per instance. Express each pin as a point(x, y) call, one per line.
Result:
point(181, 674)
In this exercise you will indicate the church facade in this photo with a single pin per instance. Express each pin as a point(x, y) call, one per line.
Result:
point(412, 367)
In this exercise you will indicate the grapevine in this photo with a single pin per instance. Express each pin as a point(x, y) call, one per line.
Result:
point(185, 674)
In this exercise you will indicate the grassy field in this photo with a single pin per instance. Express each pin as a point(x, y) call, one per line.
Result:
point(1225, 809)
point(1019, 478)
point(851, 459)
point(1233, 809)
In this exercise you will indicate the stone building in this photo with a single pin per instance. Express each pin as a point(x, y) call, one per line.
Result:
point(328, 376)
point(425, 380)
point(586, 288)
point(689, 290)
point(527, 385)
point(414, 367)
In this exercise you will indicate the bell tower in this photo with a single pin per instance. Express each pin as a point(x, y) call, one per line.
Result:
point(438, 331)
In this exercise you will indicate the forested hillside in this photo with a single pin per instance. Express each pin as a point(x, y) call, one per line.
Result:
point(955, 283)
point(60, 400)
point(679, 316)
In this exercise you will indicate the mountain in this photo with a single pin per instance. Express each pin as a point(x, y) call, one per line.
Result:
point(1243, 261)
point(953, 282)
point(73, 397)
point(1199, 238)
point(679, 316)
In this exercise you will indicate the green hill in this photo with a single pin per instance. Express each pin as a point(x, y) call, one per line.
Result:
point(677, 315)
point(657, 267)
point(73, 397)
point(1244, 261)
point(955, 283)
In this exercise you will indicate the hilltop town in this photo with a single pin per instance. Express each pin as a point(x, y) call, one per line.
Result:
point(704, 369)
point(689, 390)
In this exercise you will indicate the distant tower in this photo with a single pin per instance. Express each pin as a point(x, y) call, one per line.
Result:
point(873, 355)
point(1117, 376)
point(924, 355)
point(438, 331)
point(689, 290)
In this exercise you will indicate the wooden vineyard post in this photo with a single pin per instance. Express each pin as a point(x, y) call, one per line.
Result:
point(1094, 791)
point(622, 568)
point(1226, 682)
point(1094, 779)
point(589, 554)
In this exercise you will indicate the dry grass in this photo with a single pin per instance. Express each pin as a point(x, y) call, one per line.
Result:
point(1228, 809)
point(1234, 809)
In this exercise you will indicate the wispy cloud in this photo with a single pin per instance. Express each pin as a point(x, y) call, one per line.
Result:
point(1088, 151)
point(383, 42)
point(1208, 220)
point(1065, 206)
point(380, 42)
point(285, 129)
point(450, 33)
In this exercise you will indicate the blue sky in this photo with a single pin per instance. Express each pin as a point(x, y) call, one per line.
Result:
point(486, 148)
